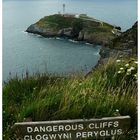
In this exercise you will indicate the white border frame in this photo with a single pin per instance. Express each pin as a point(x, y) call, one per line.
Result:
point(1, 69)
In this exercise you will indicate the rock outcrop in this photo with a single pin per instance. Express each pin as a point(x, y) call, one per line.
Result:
point(91, 31)
point(46, 32)
point(127, 41)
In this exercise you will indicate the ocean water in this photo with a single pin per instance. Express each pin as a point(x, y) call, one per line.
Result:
point(27, 52)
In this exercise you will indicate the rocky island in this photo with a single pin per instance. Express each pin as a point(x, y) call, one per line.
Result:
point(77, 27)
point(84, 28)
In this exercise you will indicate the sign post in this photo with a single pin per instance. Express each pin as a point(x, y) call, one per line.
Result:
point(73, 129)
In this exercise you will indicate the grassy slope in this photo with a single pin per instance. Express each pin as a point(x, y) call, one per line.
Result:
point(55, 21)
point(46, 97)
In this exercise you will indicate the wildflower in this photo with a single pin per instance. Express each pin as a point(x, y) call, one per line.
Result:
point(132, 68)
point(136, 62)
point(129, 70)
point(128, 73)
point(34, 88)
point(80, 84)
point(116, 113)
point(121, 68)
point(12, 127)
point(136, 76)
point(126, 65)
point(118, 61)
point(119, 72)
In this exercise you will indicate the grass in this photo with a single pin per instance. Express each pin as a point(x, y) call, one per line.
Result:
point(56, 21)
point(104, 93)
point(59, 22)
point(92, 31)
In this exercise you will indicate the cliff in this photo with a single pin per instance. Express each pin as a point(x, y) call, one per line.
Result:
point(127, 40)
point(81, 28)
point(91, 30)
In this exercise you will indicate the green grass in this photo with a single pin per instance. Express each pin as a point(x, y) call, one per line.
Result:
point(56, 21)
point(48, 97)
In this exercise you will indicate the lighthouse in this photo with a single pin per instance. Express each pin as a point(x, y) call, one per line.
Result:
point(64, 8)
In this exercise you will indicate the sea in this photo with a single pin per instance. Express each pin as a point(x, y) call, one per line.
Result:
point(28, 53)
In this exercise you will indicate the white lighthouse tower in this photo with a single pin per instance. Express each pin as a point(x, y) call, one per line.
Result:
point(64, 8)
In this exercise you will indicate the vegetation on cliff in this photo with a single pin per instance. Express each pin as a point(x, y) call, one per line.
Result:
point(111, 90)
point(82, 28)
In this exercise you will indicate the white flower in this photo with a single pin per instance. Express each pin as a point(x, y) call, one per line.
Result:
point(129, 70)
point(128, 73)
point(118, 61)
point(80, 84)
point(126, 65)
point(132, 68)
point(121, 68)
point(117, 110)
point(119, 71)
point(136, 62)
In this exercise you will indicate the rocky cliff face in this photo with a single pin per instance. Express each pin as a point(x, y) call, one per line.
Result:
point(124, 45)
point(127, 40)
point(76, 28)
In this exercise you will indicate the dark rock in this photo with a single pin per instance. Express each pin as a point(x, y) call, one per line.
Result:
point(127, 40)
point(46, 32)
point(66, 32)
point(81, 36)
point(118, 27)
